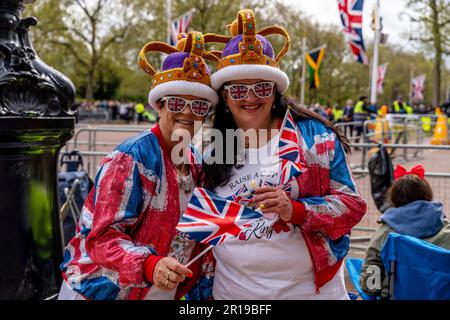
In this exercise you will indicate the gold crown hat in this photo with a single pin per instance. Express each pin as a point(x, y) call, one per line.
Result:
point(248, 54)
point(184, 71)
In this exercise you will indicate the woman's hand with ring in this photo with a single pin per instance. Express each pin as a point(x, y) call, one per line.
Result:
point(273, 200)
point(168, 273)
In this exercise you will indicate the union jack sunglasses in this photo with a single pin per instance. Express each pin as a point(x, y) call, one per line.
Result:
point(240, 91)
point(178, 104)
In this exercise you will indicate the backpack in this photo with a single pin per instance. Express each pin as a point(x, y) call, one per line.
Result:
point(74, 171)
point(381, 177)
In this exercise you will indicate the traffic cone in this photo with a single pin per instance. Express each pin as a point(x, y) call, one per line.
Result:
point(381, 134)
point(440, 131)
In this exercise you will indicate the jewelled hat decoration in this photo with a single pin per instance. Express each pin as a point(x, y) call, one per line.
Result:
point(248, 54)
point(184, 71)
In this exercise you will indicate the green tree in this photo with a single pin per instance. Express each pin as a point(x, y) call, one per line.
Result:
point(432, 18)
point(87, 29)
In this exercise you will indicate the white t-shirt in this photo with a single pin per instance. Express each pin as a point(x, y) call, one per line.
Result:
point(267, 265)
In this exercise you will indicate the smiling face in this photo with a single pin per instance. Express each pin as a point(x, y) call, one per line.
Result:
point(171, 121)
point(251, 112)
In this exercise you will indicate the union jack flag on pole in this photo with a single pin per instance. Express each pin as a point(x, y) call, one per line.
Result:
point(288, 149)
point(417, 86)
point(211, 219)
point(380, 78)
point(351, 18)
point(288, 145)
point(180, 25)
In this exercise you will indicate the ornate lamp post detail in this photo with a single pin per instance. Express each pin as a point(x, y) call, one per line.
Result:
point(36, 120)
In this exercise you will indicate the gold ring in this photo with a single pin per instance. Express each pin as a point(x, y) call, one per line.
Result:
point(167, 282)
point(261, 206)
point(167, 275)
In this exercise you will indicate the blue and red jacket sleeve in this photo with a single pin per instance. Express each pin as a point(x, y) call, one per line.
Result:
point(116, 203)
point(341, 207)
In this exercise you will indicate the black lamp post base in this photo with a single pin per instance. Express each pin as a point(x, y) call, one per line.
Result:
point(31, 247)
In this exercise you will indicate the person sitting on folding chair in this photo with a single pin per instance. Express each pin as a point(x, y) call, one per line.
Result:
point(413, 213)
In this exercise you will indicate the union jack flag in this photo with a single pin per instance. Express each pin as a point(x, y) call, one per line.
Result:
point(380, 77)
point(351, 17)
point(289, 170)
point(417, 86)
point(242, 196)
point(289, 149)
point(211, 219)
point(286, 187)
point(288, 145)
point(180, 25)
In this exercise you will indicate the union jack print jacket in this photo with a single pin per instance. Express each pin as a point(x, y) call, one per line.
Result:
point(331, 200)
point(131, 212)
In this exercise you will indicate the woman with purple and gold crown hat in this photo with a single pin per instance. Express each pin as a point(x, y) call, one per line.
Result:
point(301, 255)
point(127, 245)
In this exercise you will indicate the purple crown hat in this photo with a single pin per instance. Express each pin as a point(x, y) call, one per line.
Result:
point(249, 55)
point(184, 71)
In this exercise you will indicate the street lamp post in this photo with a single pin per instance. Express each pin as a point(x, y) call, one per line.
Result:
point(36, 120)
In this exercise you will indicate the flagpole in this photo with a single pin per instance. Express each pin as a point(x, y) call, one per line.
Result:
point(169, 19)
point(376, 41)
point(302, 93)
point(411, 77)
point(198, 256)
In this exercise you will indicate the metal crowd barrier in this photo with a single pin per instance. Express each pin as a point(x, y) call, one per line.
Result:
point(92, 143)
point(93, 114)
point(402, 129)
point(439, 182)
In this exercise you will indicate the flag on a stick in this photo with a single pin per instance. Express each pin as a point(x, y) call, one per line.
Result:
point(417, 87)
point(289, 150)
point(380, 77)
point(314, 59)
point(211, 219)
point(180, 25)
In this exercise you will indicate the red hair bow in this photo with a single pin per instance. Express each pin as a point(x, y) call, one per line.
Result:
point(400, 171)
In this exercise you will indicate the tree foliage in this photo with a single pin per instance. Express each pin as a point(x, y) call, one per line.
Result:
point(432, 21)
point(96, 43)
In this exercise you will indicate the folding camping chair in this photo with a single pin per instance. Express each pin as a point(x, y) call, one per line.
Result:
point(417, 270)
point(354, 266)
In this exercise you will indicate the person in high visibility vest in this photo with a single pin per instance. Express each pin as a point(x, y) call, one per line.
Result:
point(140, 108)
point(149, 116)
point(409, 109)
point(401, 107)
point(360, 113)
point(338, 113)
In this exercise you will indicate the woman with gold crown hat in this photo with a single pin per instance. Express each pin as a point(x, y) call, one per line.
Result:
point(127, 246)
point(301, 177)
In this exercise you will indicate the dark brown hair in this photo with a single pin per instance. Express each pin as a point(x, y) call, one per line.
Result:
point(409, 188)
point(218, 174)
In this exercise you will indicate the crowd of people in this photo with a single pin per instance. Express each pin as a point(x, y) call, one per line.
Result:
point(120, 110)
point(363, 110)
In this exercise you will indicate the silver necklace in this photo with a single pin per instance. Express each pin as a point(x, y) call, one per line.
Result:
point(185, 183)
